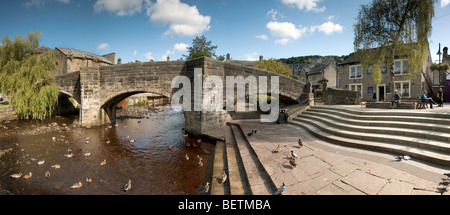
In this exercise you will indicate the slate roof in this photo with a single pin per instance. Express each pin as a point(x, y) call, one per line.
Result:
point(318, 69)
point(82, 54)
point(42, 49)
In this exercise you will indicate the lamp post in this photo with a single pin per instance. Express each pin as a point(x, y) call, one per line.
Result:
point(440, 75)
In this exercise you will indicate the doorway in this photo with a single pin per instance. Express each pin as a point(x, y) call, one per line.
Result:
point(381, 93)
point(447, 92)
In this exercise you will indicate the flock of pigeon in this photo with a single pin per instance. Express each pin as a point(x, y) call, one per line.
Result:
point(292, 163)
point(292, 159)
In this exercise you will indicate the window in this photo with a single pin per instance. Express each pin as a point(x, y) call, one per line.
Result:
point(356, 87)
point(401, 67)
point(384, 71)
point(370, 91)
point(403, 88)
point(369, 70)
point(355, 72)
point(436, 80)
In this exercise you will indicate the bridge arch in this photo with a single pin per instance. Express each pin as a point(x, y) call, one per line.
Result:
point(108, 104)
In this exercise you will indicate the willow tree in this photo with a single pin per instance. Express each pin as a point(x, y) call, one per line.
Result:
point(27, 77)
point(390, 29)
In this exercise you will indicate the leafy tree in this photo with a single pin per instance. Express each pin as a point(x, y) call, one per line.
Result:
point(202, 48)
point(276, 66)
point(389, 29)
point(27, 78)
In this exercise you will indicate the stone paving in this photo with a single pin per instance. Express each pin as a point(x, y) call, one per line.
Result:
point(329, 169)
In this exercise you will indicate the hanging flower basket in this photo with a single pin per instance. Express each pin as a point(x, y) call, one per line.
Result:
point(439, 67)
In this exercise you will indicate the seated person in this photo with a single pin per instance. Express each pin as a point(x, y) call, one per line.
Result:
point(425, 98)
point(395, 99)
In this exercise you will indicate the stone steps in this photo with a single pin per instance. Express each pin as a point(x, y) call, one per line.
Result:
point(259, 181)
point(347, 127)
point(397, 131)
point(383, 113)
point(236, 173)
point(220, 164)
point(408, 123)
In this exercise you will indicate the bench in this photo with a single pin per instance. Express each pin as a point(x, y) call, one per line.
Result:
point(422, 104)
point(387, 105)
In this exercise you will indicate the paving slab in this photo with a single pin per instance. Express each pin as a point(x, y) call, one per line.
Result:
point(365, 182)
point(396, 187)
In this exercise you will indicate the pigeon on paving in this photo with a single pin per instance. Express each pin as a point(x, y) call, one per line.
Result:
point(280, 190)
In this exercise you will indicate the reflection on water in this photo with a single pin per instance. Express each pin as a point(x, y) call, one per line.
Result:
point(135, 148)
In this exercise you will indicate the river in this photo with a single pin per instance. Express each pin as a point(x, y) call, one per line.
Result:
point(145, 145)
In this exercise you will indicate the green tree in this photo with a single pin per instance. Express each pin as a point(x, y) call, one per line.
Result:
point(387, 29)
point(27, 76)
point(202, 48)
point(276, 66)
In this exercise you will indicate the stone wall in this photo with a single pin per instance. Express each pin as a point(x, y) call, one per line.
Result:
point(6, 113)
point(70, 84)
point(341, 97)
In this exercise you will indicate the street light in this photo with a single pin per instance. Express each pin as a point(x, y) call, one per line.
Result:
point(439, 53)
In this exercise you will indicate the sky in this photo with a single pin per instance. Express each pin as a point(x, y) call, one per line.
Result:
point(154, 29)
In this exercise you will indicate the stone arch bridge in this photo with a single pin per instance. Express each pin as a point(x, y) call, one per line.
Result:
point(99, 90)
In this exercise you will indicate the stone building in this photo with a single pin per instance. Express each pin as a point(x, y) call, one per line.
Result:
point(319, 72)
point(446, 75)
point(301, 70)
point(352, 76)
point(71, 60)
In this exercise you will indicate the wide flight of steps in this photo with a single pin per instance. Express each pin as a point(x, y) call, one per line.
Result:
point(420, 135)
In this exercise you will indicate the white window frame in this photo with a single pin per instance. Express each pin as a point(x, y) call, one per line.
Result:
point(356, 87)
point(401, 66)
point(400, 91)
point(356, 72)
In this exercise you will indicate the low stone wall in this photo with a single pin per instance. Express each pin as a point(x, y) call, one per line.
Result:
point(6, 113)
point(387, 105)
point(341, 97)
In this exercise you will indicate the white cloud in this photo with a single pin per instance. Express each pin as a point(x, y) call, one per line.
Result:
point(262, 37)
point(180, 47)
point(444, 3)
point(328, 28)
point(308, 5)
point(103, 46)
point(135, 52)
point(148, 56)
point(272, 13)
point(283, 41)
point(183, 20)
point(286, 30)
point(331, 18)
point(41, 3)
point(252, 57)
point(121, 7)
